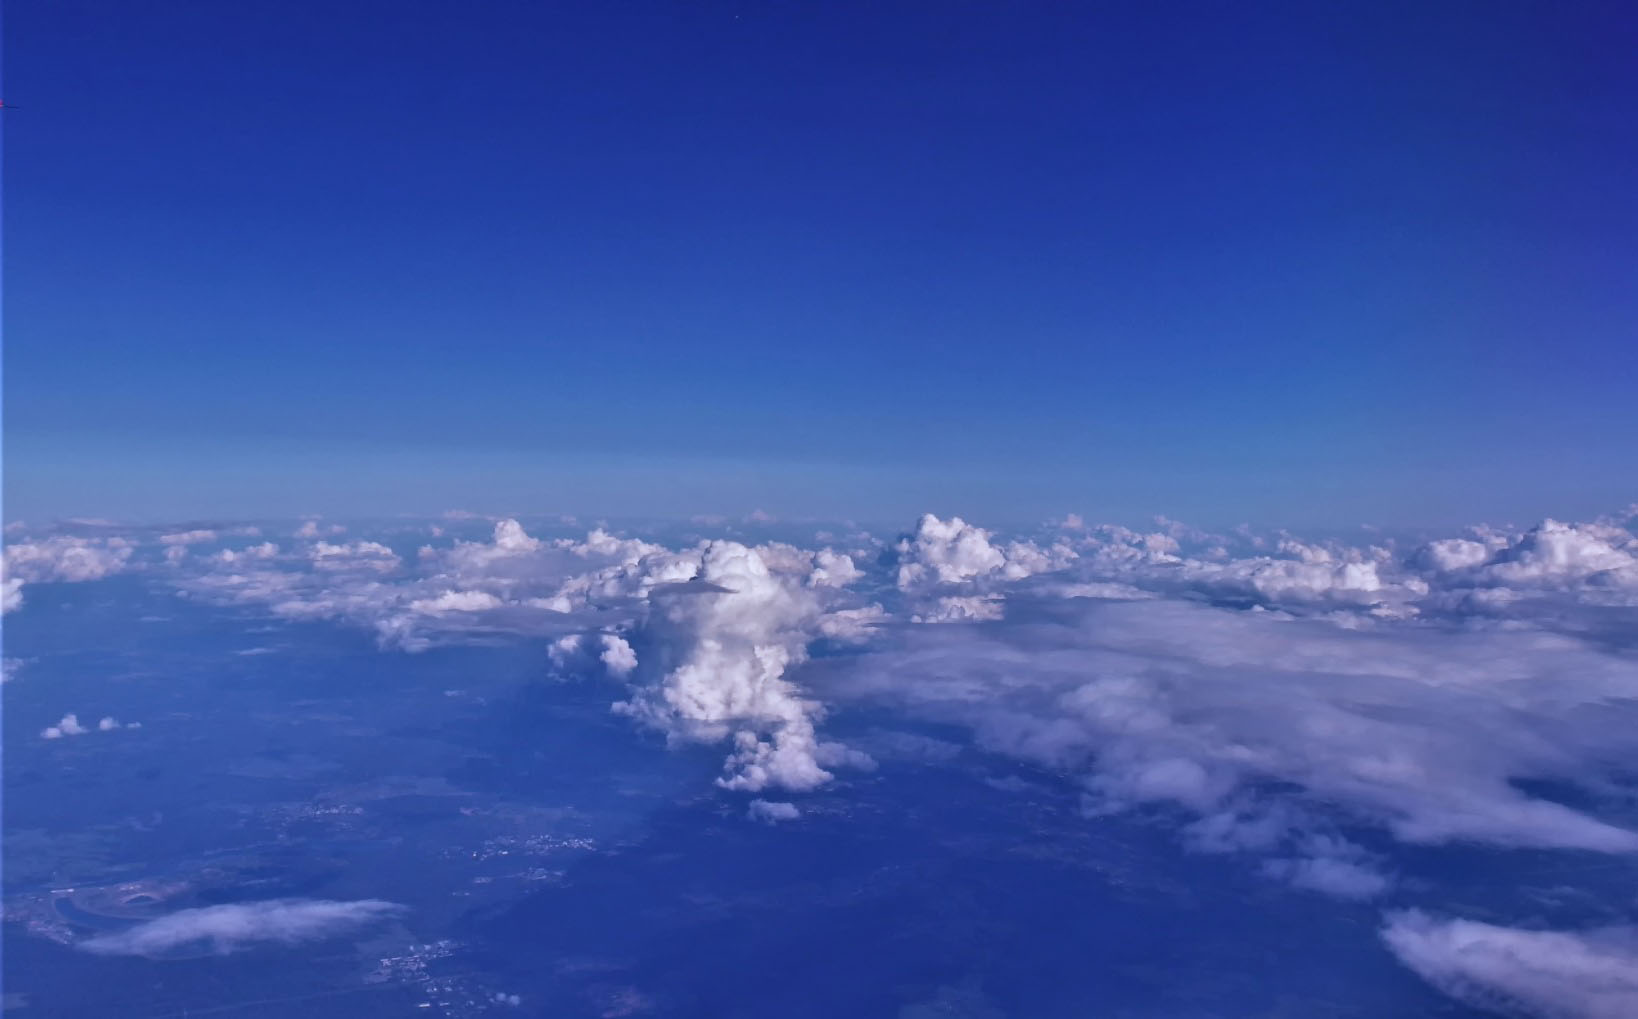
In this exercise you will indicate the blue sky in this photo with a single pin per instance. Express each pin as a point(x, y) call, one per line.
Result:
point(1299, 264)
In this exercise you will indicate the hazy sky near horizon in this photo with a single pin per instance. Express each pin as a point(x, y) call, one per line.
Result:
point(1294, 264)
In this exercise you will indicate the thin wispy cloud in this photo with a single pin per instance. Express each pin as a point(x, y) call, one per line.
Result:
point(224, 929)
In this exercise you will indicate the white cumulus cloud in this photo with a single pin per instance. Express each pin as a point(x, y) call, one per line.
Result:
point(68, 726)
point(712, 653)
point(61, 558)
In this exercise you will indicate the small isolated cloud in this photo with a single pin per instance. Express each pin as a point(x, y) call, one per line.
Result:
point(69, 726)
point(772, 812)
point(1556, 974)
point(221, 930)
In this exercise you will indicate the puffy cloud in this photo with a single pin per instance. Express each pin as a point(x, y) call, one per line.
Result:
point(709, 637)
point(509, 542)
point(1554, 974)
point(945, 552)
point(60, 558)
point(1294, 575)
point(618, 656)
point(1564, 575)
point(712, 653)
point(577, 652)
point(950, 569)
point(1488, 573)
point(224, 929)
point(11, 594)
point(513, 582)
point(1556, 553)
point(1447, 555)
point(69, 726)
point(772, 812)
point(833, 569)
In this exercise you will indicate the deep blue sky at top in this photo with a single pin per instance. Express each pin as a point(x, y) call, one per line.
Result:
point(1294, 263)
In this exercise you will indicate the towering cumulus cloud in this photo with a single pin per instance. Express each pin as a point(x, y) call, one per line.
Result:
point(711, 655)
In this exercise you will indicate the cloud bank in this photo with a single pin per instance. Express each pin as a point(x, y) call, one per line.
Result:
point(1307, 704)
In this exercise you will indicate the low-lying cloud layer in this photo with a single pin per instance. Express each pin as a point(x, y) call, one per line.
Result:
point(1274, 696)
